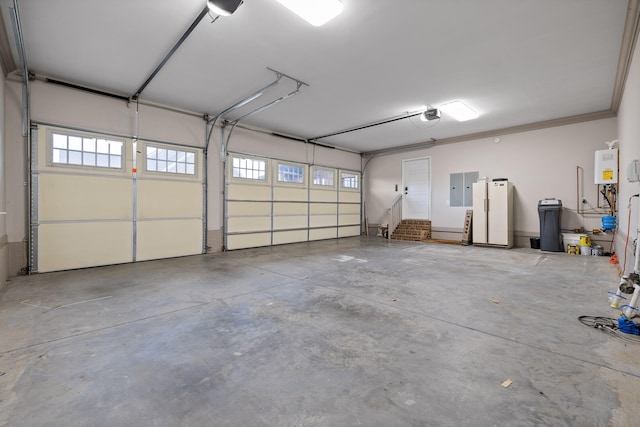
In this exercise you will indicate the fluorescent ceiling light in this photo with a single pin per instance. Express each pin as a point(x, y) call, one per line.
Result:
point(223, 7)
point(315, 12)
point(459, 111)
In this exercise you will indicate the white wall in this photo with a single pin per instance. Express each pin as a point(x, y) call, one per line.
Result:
point(74, 108)
point(540, 164)
point(15, 167)
point(629, 136)
point(4, 247)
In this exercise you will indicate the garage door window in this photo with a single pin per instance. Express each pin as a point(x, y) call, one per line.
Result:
point(86, 151)
point(248, 168)
point(170, 161)
point(349, 180)
point(290, 173)
point(323, 177)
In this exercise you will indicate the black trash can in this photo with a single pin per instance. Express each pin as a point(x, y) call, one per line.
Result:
point(550, 213)
point(535, 242)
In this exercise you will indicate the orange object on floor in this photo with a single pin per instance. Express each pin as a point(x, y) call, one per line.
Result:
point(615, 261)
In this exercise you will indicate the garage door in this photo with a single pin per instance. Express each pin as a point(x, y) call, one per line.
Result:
point(272, 202)
point(100, 200)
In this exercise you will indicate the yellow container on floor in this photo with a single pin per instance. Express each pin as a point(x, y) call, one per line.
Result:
point(585, 241)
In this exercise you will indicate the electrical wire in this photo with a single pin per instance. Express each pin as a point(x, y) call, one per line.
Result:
point(592, 209)
point(608, 325)
point(604, 194)
point(588, 212)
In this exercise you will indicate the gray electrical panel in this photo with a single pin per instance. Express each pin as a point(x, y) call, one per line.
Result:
point(461, 188)
point(456, 189)
point(469, 179)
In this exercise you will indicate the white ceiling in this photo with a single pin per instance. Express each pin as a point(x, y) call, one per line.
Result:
point(514, 62)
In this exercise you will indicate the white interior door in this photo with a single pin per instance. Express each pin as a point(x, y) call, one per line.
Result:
point(416, 185)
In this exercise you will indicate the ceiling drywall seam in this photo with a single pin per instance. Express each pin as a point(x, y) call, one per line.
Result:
point(629, 40)
point(499, 132)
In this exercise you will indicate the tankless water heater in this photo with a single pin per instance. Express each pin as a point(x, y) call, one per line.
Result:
point(606, 167)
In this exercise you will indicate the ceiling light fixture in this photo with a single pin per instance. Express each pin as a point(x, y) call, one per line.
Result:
point(315, 12)
point(223, 7)
point(459, 111)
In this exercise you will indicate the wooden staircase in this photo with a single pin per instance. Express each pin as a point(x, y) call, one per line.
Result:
point(414, 230)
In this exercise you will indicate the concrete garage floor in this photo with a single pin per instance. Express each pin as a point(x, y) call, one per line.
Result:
point(354, 332)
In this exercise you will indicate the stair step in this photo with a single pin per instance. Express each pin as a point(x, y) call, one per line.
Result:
point(414, 230)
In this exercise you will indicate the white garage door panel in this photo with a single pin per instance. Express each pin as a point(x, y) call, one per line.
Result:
point(280, 208)
point(349, 231)
point(349, 209)
point(283, 237)
point(87, 244)
point(168, 238)
point(349, 219)
point(73, 197)
point(324, 209)
point(349, 197)
point(287, 194)
point(240, 241)
point(167, 199)
point(289, 222)
point(248, 208)
point(323, 196)
point(323, 233)
point(245, 224)
point(89, 215)
point(298, 211)
point(323, 221)
point(249, 192)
